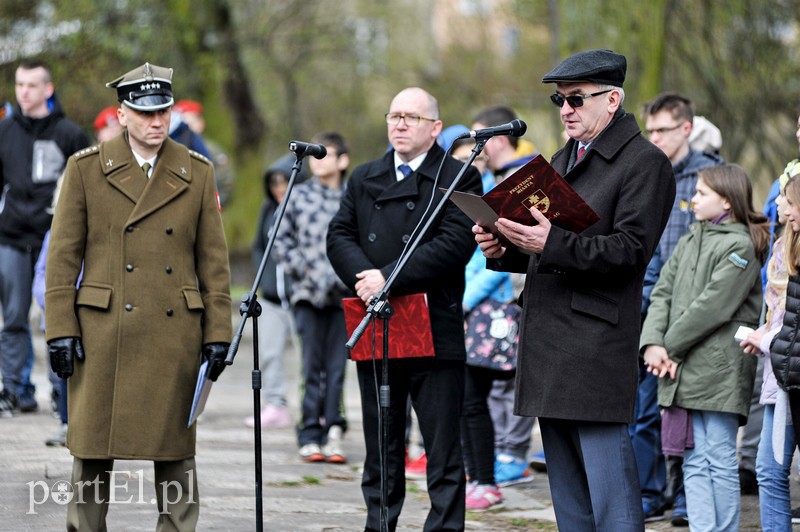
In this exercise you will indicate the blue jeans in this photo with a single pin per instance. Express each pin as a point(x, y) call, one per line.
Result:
point(645, 433)
point(711, 473)
point(16, 283)
point(25, 383)
point(773, 478)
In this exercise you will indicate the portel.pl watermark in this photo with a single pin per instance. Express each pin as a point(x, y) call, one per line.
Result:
point(118, 491)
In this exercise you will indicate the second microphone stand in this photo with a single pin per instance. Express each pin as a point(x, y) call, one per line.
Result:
point(380, 308)
point(251, 308)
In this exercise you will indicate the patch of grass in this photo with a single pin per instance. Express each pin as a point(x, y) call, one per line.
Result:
point(307, 480)
point(497, 518)
point(531, 524)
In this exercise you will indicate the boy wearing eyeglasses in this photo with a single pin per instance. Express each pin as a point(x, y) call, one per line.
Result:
point(668, 124)
point(578, 355)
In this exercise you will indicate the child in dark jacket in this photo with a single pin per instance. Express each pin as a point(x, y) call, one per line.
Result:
point(707, 289)
point(785, 350)
point(777, 443)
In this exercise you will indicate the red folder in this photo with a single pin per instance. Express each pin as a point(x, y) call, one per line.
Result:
point(410, 333)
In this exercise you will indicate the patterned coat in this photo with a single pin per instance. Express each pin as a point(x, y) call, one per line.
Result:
point(300, 244)
point(155, 288)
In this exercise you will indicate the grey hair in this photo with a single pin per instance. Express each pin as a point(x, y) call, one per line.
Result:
point(614, 88)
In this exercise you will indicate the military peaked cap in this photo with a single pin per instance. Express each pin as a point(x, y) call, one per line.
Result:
point(147, 88)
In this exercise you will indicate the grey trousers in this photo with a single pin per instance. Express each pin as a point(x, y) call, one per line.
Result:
point(512, 433)
point(275, 328)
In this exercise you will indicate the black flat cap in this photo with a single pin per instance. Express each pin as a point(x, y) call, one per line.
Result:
point(595, 66)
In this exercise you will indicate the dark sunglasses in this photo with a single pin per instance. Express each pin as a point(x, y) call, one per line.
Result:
point(574, 101)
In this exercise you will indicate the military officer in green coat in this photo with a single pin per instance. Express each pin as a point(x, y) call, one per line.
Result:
point(137, 295)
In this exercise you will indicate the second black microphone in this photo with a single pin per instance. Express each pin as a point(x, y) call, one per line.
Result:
point(301, 149)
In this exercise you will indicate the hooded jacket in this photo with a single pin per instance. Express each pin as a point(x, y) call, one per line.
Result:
point(708, 288)
point(275, 288)
point(33, 153)
point(681, 216)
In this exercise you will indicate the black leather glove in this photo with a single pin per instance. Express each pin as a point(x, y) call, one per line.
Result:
point(215, 355)
point(62, 353)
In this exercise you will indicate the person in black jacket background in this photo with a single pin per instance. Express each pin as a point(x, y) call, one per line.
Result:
point(785, 350)
point(35, 143)
point(276, 324)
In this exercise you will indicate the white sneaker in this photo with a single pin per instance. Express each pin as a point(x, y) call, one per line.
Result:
point(59, 439)
point(311, 452)
point(333, 449)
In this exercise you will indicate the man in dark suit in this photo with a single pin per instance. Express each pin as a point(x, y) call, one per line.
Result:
point(385, 200)
point(578, 354)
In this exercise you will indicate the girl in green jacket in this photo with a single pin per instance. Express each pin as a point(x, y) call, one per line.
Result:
point(707, 289)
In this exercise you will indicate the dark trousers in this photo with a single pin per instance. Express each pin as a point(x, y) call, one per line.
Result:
point(323, 337)
point(436, 389)
point(477, 430)
point(592, 475)
point(794, 408)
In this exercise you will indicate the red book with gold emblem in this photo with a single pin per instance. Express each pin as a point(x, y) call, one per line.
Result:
point(410, 333)
point(536, 184)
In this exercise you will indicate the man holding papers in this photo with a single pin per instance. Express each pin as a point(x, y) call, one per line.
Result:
point(578, 351)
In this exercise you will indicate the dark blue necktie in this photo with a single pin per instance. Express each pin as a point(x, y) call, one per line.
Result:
point(405, 170)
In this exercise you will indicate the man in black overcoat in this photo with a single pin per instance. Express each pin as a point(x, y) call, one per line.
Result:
point(578, 351)
point(385, 200)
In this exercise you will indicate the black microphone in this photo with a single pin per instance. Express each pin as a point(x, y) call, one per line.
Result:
point(301, 149)
point(515, 128)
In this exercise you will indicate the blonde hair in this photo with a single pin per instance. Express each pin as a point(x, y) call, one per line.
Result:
point(791, 239)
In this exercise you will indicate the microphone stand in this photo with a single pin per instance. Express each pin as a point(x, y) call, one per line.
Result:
point(379, 308)
point(250, 307)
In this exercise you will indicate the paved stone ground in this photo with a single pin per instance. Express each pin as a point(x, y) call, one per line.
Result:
point(296, 496)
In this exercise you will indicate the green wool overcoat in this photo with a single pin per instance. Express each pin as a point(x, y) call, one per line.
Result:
point(708, 288)
point(155, 287)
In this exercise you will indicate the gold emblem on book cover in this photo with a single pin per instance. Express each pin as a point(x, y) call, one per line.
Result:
point(539, 200)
